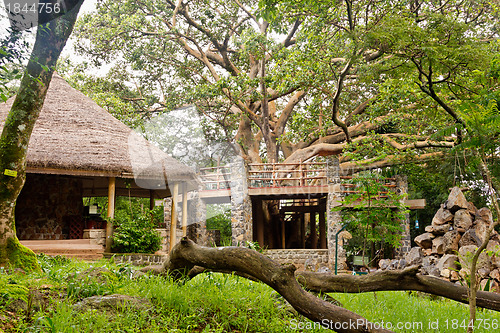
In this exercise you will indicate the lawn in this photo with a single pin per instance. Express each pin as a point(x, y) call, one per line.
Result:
point(45, 302)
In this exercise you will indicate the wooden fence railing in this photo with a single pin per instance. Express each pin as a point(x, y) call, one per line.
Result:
point(287, 174)
point(301, 174)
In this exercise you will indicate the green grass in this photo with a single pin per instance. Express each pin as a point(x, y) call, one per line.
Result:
point(207, 303)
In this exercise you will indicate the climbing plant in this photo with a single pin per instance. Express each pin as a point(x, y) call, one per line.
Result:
point(374, 215)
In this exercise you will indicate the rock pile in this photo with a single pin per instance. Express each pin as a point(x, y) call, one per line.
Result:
point(446, 248)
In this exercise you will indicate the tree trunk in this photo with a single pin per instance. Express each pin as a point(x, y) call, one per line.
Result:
point(50, 40)
point(187, 254)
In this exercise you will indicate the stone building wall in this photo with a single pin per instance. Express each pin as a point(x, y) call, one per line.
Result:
point(48, 207)
point(303, 259)
point(404, 249)
point(241, 204)
point(334, 218)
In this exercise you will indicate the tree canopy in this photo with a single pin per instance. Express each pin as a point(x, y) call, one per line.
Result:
point(292, 80)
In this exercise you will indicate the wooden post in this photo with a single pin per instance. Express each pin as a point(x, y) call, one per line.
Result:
point(173, 215)
point(283, 232)
point(322, 230)
point(314, 235)
point(184, 209)
point(302, 220)
point(151, 199)
point(111, 212)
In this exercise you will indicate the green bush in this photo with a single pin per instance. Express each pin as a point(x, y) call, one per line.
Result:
point(136, 236)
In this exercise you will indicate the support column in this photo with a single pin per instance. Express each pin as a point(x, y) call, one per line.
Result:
point(151, 199)
point(402, 188)
point(322, 230)
point(241, 205)
point(184, 209)
point(111, 212)
point(314, 235)
point(334, 218)
point(173, 216)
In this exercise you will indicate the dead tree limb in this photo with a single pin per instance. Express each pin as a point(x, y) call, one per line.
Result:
point(186, 254)
point(406, 279)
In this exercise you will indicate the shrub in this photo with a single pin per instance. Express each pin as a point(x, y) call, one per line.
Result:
point(136, 236)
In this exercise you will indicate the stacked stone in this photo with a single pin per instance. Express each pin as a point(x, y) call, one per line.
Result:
point(457, 230)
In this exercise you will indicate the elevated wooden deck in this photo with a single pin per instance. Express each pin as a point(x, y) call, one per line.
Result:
point(283, 180)
point(72, 248)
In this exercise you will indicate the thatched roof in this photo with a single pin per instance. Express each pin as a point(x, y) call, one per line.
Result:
point(75, 136)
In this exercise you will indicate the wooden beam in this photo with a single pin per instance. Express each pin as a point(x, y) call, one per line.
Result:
point(184, 209)
point(302, 209)
point(111, 212)
point(173, 215)
point(416, 203)
point(314, 235)
point(322, 230)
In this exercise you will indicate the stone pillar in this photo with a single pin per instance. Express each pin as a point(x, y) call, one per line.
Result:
point(197, 218)
point(334, 218)
point(241, 204)
point(402, 188)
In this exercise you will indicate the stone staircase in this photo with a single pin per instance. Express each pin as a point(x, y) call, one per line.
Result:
point(72, 248)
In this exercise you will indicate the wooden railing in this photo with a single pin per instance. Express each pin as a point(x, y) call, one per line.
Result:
point(388, 184)
point(262, 175)
point(216, 178)
point(287, 174)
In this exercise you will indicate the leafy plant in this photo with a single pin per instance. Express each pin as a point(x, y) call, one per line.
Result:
point(375, 215)
point(136, 236)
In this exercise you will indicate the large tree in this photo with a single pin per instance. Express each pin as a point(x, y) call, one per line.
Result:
point(50, 40)
point(308, 78)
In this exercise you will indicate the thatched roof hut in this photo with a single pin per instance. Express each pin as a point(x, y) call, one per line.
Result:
point(74, 136)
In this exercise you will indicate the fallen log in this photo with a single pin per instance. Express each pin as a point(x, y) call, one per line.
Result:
point(186, 255)
point(406, 279)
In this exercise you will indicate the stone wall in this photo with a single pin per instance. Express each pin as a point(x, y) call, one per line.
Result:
point(48, 207)
point(303, 259)
point(334, 218)
point(405, 247)
point(136, 259)
point(241, 204)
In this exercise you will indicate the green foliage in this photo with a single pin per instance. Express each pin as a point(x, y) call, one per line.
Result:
point(376, 214)
point(136, 236)
point(220, 220)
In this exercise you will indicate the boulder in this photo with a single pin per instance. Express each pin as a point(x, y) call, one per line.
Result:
point(414, 256)
point(485, 215)
point(465, 257)
point(442, 216)
point(494, 249)
point(424, 240)
point(427, 252)
point(446, 273)
point(481, 229)
point(438, 245)
point(451, 240)
point(473, 211)
point(495, 274)
point(383, 264)
point(454, 276)
point(448, 261)
point(429, 265)
point(462, 219)
point(484, 272)
point(469, 238)
point(438, 229)
point(456, 200)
